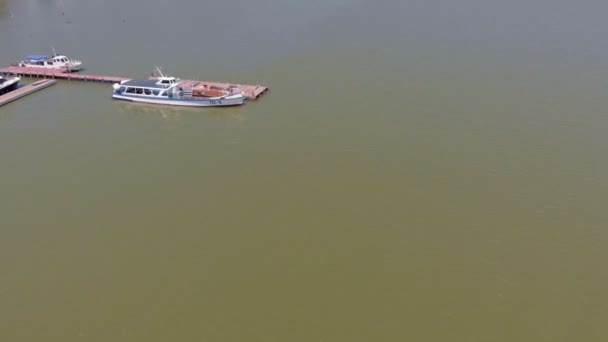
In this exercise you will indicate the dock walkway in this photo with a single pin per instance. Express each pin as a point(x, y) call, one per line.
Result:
point(57, 74)
point(251, 92)
point(25, 90)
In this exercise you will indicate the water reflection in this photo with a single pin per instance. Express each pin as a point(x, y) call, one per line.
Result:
point(176, 114)
point(4, 11)
point(46, 8)
point(50, 4)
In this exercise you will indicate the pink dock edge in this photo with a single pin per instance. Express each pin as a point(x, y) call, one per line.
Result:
point(251, 92)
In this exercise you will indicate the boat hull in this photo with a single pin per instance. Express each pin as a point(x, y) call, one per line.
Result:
point(69, 68)
point(9, 85)
point(74, 67)
point(215, 102)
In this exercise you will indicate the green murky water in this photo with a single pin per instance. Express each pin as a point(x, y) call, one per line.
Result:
point(424, 171)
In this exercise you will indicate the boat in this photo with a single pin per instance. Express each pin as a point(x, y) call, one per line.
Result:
point(54, 62)
point(169, 90)
point(8, 84)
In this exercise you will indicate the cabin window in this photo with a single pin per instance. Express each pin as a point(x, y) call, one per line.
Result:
point(138, 91)
point(50, 63)
point(164, 93)
point(155, 92)
point(40, 63)
point(121, 89)
point(130, 91)
point(147, 91)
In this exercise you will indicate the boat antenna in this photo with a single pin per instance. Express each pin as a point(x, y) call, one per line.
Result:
point(157, 68)
point(54, 52)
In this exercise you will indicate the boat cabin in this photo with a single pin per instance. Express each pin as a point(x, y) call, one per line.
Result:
point(60, 59)
point(154, 88)
point(43, 60)
point(167, 81)
point(38, 60)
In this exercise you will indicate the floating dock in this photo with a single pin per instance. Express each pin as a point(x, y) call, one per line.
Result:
point(25, 90)
point(251, 92)
point(58, 74)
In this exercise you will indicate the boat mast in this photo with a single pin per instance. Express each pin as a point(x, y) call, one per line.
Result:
point(157, 69)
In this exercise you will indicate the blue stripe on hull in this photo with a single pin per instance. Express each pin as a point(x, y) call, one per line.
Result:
point(176, 104)
point(121, 99)
point(177, 99)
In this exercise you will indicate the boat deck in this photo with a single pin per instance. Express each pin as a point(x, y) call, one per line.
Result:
point(252, 92)
point(25, 90)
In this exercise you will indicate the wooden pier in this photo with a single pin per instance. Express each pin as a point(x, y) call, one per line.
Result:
point(25, 90)
point(58, 74)
point(251, 92)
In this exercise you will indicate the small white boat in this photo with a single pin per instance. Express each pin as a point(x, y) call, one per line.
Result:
point(167, 90)
point(55, 62)
point(8, 84)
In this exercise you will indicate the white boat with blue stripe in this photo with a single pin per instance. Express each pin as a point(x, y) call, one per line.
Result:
point(166, 90)
point(55, 62)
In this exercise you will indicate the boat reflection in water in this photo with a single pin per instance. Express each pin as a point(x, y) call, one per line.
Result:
point(165, 112)
point(173, 113)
